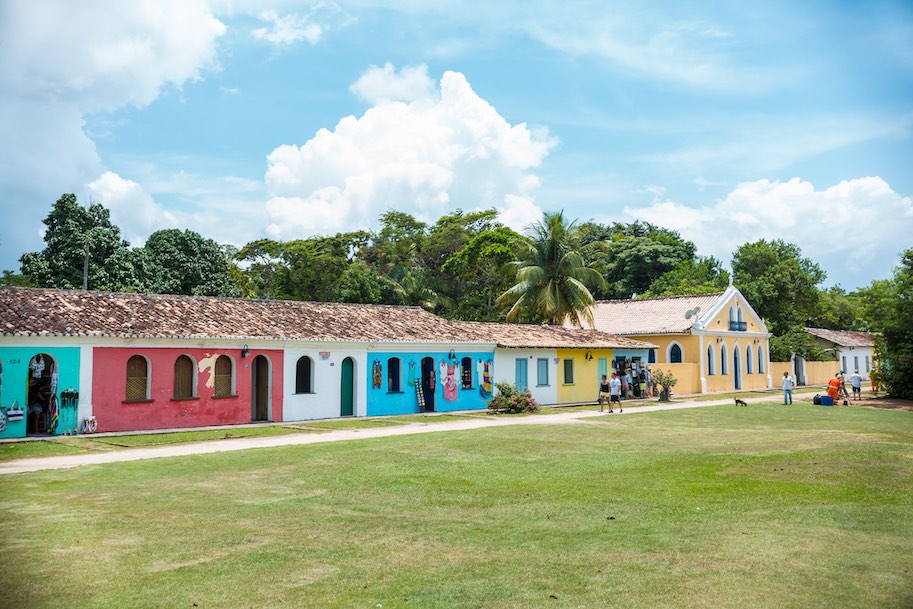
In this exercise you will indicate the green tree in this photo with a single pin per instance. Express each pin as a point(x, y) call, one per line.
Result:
point(838, 310)
point(874, 304)
point(552, 279)
point(691, 276)
point(631, 257)
point(184, 262)
point(480, 272)
point(70, 227)
point(780, 284)
point(895, 347)
point(799, 342)
point(11, 278)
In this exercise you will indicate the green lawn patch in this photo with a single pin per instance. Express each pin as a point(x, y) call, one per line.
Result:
point(759, 507)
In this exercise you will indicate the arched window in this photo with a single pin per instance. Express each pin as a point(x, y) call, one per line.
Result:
point(224, 381)
point(184, 387)
point(675, 353)
point(466, 372)
point(137, 379)
point(724, 365)
point(731, 316)
point(710, 371)
point(740, 316)
point(748, 365)
point(304, 373)
point(760, 360)
point(393, 375)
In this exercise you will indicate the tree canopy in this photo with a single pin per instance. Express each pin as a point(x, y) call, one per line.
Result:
point(780, 284)
point(464, 265)
point(552, 277)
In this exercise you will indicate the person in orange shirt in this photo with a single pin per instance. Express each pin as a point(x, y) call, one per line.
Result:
point(833, 387)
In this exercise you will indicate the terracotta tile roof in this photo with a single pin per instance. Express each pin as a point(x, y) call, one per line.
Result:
point(844, 338)
point(651, 315)
point(25, 312)
point(40, 312)
point(539, 336)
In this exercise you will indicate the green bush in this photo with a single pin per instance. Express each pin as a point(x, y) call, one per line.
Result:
point(667, 382)
point(511, 400)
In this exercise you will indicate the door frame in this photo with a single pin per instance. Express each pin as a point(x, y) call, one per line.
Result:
point(347, 398)
point(429, 382)
point(257, 392)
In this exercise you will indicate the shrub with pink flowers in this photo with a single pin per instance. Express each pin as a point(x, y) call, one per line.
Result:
point(509, 399)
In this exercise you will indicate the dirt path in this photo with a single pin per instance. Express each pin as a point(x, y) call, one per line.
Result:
point(214, 446)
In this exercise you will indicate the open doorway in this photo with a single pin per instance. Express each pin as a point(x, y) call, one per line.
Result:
point(260, 389)
point(42, 395)
point(429, 382)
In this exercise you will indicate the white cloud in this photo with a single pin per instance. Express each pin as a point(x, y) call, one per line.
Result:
point(384, 84)
point(99, 56)
point(62, 60)
point(286, 31)
point(132, 208)
point(854, 230)
point(442, 150)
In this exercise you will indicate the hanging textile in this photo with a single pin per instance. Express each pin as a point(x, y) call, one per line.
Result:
point(377, 374)
point(485, 376)
point(448, 380)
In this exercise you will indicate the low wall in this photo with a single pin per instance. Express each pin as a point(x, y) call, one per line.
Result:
point(688, 376)
point(816, 373)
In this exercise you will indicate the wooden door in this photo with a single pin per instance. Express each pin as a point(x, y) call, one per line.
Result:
point(347, 388)
point(260, 389)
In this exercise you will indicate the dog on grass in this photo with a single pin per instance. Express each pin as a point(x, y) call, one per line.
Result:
point(739, 402)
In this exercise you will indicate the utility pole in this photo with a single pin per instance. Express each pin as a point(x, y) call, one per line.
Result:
point(85, 267)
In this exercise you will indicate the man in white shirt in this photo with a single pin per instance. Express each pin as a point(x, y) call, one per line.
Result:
point(788, 384)
point(856, 382)
point(615, 393)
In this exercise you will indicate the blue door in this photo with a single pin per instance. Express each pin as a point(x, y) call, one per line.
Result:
point(522, 371)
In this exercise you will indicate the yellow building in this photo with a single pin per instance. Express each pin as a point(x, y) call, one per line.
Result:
point(711, 342)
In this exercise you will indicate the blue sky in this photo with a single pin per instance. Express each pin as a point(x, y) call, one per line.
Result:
point(728, 122)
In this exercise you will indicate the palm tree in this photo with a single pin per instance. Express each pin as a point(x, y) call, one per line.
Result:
point(552, 277)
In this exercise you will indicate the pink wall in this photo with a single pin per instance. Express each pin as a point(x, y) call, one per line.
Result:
point(109, 385)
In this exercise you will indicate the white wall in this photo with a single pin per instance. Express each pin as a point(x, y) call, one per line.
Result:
point(324, 402)
point(505, 371)
point(849, 353)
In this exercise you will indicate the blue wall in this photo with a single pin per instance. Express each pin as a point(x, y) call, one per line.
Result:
point(383, 402)
point(14, 379)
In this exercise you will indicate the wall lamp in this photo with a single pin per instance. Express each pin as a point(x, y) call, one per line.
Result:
point(244, 351)
point(588, 356)
point(719, 339)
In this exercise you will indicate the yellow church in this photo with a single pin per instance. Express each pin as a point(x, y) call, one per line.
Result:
point(711, 342)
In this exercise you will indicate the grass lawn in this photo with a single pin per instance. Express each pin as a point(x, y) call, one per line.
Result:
point(764, 506)
point(62, 445)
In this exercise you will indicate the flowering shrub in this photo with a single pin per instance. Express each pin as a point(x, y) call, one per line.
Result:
point(667, 382)
point(509, 399)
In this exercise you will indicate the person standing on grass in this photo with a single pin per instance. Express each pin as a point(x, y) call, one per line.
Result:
point(856, 383)
point(833, 387)
point(615, 393)
point(604, 392)
point(788, 384)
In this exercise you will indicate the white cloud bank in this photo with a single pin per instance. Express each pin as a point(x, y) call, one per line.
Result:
point(287, 30)
point(62, 60)
point(855, 229)
point(429, 151)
